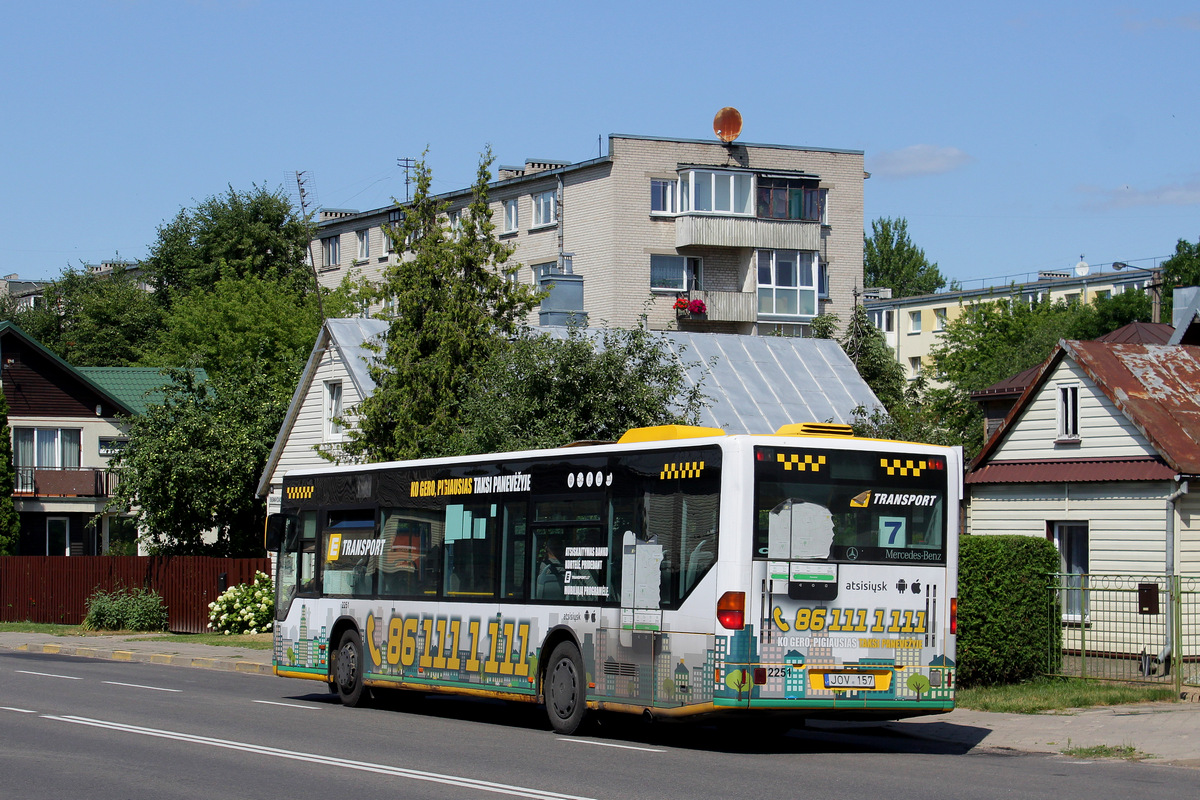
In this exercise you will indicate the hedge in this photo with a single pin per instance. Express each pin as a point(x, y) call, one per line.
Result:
point(1008, 630)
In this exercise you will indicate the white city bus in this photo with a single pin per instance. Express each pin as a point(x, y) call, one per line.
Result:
point(680, 571)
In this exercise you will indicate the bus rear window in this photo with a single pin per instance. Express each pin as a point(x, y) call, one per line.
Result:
point(837, 505)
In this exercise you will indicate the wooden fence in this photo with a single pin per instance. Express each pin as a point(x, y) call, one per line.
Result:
point(56, 588)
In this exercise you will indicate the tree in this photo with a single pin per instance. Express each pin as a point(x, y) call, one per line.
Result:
point(456, 305)
point(891, 260)
point(1181, 269)
point(873, 358)
point(10, 522)
point(193, 462)
point(547, 392)
point(92, 320)
point(242, 324)
point(254, 233)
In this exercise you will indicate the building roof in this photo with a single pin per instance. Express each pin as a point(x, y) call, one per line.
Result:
point(1156, 387)
point(1076, 470)
point(135, 387)
point(8, 327)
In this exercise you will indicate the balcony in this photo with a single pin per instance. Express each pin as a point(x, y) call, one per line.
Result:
point(725, 306)
point(708, 230)
point(86, 482)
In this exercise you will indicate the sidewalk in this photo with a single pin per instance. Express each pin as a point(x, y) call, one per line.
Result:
point(1168, 733)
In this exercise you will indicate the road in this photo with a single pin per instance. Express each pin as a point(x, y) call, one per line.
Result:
point(74, 727)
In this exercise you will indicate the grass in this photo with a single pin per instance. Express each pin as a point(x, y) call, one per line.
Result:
point(258, 641)
point(1125, 751)
point(1057, 694)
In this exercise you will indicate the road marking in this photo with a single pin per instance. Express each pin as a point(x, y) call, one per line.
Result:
point(18, 710)
point(330, 761)
point(285, 705)
point(49, 675)
point(610, 744)
point(140, 686)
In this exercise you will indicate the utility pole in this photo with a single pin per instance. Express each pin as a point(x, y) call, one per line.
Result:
point(407, 164)
point(312, 261)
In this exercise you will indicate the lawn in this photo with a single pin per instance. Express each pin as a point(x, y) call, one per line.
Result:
point(1057, 694)
point(258, 641)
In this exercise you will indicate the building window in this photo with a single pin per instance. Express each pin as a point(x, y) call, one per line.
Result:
point(1071, 539)
point(790, 198)
point(43, 448)
point(545, 209)
point(395, 220)
point(1103, 294)
point(674, 273)
point(822, 280)
point(1068, 412)
point(914, 367)
point(722, 192)
point(787, 283)
point(364, 243)
point(939, 319)
point(333, 411)
point(1072, 298)
point(883, 319)
point(663, 197)
point(331, 251)
point(914, 322)
point(544, 270)
point(511, 219)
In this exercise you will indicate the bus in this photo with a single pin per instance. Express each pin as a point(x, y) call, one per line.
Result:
point(679, 571)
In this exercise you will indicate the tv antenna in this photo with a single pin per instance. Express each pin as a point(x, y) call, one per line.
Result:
point(302, 192)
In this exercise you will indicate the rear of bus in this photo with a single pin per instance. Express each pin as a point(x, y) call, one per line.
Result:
point(851, 607)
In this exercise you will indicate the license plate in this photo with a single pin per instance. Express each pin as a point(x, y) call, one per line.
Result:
point(849, 680)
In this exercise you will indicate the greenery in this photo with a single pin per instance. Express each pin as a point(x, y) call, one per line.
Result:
point(1124, 751)
point(125, 610)
point(10, 522)
point(1008, 631)
point(255, 233)
point(876, 363)
point(891, 260)
point(250, 641)
point(193, 463)
point(1056, 694)
point(546, 392)
point(245, 608)
point(1181, 269)
point(93, 321)
point(456, 305)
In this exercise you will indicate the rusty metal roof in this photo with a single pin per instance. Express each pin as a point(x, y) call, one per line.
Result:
point(1140, 333)
point(1156, 387)
point(1079, 470)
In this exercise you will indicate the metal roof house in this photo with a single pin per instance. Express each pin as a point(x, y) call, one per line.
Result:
point(755, 384)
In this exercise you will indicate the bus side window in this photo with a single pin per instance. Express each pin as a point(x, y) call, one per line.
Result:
point(470, 543)
point(513, 553)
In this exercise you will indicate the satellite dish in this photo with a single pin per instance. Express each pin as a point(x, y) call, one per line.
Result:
point(1082, 268)
point(727, 124)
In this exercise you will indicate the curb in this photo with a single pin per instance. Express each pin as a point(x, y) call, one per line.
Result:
point(175, 660)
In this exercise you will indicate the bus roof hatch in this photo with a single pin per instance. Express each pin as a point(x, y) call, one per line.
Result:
point(660, 433)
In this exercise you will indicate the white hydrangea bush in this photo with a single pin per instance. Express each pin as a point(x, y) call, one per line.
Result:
point(245, 608)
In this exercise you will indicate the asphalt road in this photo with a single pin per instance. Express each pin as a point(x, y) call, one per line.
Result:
point(73, 727)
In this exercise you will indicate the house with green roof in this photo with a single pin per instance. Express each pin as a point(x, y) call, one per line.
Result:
point(67, 423)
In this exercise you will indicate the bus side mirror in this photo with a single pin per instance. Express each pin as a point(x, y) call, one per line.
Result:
point(281, 530)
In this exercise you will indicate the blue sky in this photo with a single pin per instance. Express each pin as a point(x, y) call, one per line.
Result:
point(1013, 137)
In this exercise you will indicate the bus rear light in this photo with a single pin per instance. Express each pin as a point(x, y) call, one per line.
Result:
point(731, 610)
point(760, 676)
point(953, 615)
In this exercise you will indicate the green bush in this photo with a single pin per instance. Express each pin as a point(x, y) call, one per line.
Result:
point(245, 608)
point(1008, 628)
point(125, 610)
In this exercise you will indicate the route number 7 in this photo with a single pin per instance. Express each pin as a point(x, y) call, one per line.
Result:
point(892, 532)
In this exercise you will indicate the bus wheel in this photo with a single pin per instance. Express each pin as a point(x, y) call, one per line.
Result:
point(347, 671)
point(565, 691)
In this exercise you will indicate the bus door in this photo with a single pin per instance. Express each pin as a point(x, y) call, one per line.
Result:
point(641, 589)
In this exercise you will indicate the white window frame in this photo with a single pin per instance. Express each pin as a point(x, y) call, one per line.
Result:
point(364, 243)
point(690, 267)
point(333, 430)
point(914, 321)
point(395, 219)
point(1073, 557)
point(939, 319)
point(707, 190)
point(545, 209)
point(512, 216)
point(883, 319)
point(331, 251)
point(665, 193)
point(67, 524)
point(1066, 400)
point(771, 289)
point(822, 279)
point(914, 367)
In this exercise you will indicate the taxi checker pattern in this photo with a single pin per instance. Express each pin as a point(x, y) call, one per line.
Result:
point(299, 492)
point(902, 466)
point(684, 469)
point(790, 459)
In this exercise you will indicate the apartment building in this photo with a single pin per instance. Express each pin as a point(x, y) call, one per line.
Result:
point(913, 325)
point(765, 236)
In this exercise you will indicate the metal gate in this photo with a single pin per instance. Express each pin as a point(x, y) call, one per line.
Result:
point(1143, 628)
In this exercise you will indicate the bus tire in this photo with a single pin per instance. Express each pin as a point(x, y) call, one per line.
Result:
point(348, 669)
point(565, 689)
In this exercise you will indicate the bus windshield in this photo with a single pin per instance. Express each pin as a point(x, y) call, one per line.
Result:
point(848, 506)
